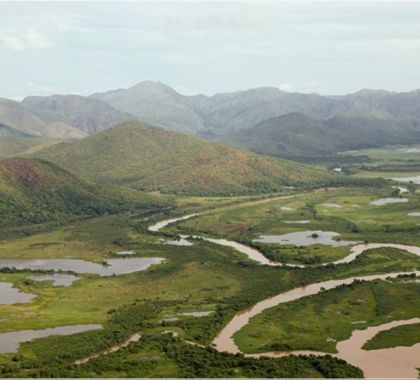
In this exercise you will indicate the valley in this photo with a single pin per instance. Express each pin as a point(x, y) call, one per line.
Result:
point(209, 189)
point(169, 295)
point(142, 252)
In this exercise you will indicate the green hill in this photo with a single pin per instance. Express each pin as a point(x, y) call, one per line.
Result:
point(151, 158)
point(34, 191)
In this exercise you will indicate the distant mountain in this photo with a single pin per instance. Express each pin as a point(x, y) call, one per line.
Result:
point(64, 117)
point(85, 114)
point(14, 115)
point(151, 158)
point(33, 191)
point(245, 109)
point(155, 103)
point(363, 119)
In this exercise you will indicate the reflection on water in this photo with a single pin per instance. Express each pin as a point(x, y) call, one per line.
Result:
point(9, 341)
point(108, 268)
point(305, 238)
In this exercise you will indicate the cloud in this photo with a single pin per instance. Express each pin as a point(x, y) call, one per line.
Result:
point(31, 40)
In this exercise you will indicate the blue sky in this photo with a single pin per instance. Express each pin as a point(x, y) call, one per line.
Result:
point(303, 46)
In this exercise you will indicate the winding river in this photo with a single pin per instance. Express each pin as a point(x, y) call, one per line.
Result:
point(224, 341)
point(385, 363)
point(257, 256)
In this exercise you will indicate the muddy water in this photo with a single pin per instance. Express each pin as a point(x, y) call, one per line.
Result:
point(395, 362)
point(163, 223)
point(391, 363)
point(9, 341)
point(359, 249)
point(10, 295)
point(224, 341)
point(252, 253)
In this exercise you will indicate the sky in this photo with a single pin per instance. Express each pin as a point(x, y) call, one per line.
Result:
point(208, 47)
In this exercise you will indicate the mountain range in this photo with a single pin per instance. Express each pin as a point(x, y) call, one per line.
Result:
point(265, 120)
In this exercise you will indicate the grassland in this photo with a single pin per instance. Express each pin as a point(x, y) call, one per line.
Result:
point(355, 218)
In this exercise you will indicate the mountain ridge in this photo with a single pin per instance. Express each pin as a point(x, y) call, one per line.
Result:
point(229, 117)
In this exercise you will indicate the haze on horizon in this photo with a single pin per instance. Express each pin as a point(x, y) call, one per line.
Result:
point(202, 47)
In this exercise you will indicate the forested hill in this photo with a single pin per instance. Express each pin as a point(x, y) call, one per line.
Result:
point(151, 158)
point(34, 191)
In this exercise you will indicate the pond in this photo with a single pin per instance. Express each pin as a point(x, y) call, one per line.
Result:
point(109, 268)
point(58, 279)
point(10, 295)
point(305, 238)
point(385, 201)
point(9, 341)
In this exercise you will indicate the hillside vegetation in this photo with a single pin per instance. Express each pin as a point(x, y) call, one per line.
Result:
point(11, 146)
point(296, 135)
point(151, 158)
point(34, 191)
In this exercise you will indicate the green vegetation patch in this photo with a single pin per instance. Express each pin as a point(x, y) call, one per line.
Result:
point(318, 322)
point(398, 336)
